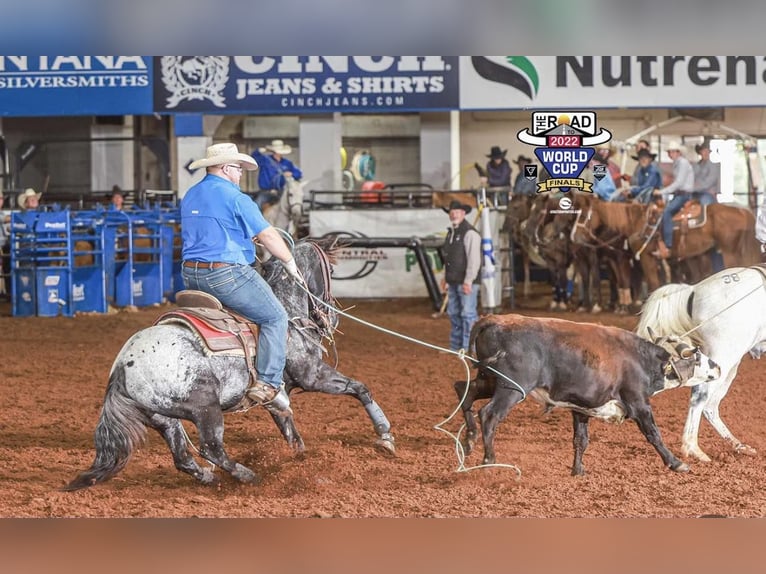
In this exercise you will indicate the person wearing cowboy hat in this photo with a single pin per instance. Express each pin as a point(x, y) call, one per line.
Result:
point(523, 185)
point(462, 264)
point(219, 224)
point(707, 176)
point(274, 169)
point(707, 183)
point(29, 200)
point(498, 174)
point(646, 178)
point(681, 189)
point(116, 199)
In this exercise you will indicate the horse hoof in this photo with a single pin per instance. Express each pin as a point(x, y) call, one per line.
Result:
point(681, 467)
point(298, 447)
point(207, 476)
point(553, 306)
point(243, 474)
point(385, 444)
point(562, 306)
point(596, 309)
point(581, 309)
point(698, 454)
point(468, 446)
point(745, 449)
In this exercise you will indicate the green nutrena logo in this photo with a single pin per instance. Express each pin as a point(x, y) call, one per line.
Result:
point(520, 73)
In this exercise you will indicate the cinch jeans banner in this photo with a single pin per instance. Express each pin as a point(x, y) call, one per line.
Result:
point(75, 85)
point(304, 84)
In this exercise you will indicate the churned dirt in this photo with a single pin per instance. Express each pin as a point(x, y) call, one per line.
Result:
point(53, 374)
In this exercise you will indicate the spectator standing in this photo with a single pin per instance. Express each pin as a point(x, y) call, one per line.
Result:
point(462, 265)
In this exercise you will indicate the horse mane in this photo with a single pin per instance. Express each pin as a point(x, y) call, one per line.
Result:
point(330, 244)
point(619, 216)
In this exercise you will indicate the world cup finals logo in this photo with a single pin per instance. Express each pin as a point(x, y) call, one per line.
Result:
point(564, 139)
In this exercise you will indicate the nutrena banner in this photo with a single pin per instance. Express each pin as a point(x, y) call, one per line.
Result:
point(598, 82)
point(304, 84)
point(75, 85)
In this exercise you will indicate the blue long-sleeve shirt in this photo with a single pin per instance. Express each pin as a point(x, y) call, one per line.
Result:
point(271, 171)
point(644, 181)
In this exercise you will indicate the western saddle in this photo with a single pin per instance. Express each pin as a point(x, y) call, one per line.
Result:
point(223, 332)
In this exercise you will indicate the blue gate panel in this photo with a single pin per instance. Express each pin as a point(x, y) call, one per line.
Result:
point(146, 288)
point(53, 292)
point(23, 289)
point(88, 290)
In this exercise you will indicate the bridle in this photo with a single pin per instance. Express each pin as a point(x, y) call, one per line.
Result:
point(319, 315)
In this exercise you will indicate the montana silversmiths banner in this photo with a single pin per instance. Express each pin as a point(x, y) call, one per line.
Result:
point(304, 84)
point(75, 85)
point(597, 82)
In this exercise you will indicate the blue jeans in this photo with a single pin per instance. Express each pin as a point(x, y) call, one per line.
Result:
point(461, 309)
point(244, 291)
point(673, 207)
point(704, 197)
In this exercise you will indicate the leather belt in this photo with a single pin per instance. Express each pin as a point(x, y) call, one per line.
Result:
point(206, 264)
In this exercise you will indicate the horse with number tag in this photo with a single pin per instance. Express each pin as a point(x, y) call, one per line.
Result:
point(725, 315)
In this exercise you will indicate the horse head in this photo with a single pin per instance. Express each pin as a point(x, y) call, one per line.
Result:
point(314, 258)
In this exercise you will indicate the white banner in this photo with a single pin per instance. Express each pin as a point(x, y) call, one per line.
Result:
point(537, 82)
point(387, 272)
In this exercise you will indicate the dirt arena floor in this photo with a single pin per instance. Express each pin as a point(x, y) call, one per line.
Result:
point(54, 372)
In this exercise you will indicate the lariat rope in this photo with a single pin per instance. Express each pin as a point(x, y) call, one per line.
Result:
point(459, 450)
point(730, 305)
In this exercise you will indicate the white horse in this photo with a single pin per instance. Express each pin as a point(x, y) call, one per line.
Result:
point(287, 212)
point(725, 315)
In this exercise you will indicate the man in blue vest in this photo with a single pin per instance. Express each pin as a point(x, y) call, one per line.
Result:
point(462, 264)
point(218, 226)
point(274, 168)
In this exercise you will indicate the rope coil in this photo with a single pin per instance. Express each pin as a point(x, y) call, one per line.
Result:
point(459, 450)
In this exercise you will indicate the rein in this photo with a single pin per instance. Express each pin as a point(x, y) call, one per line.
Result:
point(599, 243)
point(320, 315)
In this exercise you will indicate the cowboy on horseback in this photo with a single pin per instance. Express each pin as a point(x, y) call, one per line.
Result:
point(681, 188)
point(274, 171)
point(219, 224)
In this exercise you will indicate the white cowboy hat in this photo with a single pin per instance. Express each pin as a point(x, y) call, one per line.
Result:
point(222, 153)
point(280, 147)
point(675, 145)
point(21, 200)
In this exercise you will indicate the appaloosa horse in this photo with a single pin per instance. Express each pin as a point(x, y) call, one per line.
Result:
point(164, 373)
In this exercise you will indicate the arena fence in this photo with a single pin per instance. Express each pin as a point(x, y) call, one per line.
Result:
point(67, 262)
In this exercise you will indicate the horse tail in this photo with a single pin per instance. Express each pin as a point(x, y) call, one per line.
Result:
point(119, 431)
point(667, 311)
